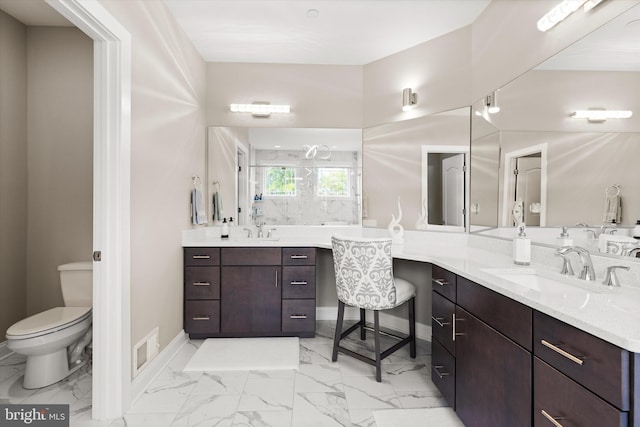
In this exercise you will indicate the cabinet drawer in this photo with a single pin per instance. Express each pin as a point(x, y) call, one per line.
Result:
point(202, 317)
point(598, 365)
point(298, 256)
point(251, 256)
point(299, 282)
point(443, 282)
point(202, 283)
point(568, 402)
point(443, 372)
point(503, 314)
point(299, 315)
point(442, 318)
point(201, 256)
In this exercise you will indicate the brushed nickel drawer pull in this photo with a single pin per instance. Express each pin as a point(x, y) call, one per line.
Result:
point(455, 334)
point(201, 284)
point(436, 369)
point(201, 257)
point(439, 321)
point(298, 316)
point(299, 282)
point(201, 318)
point(560, 351)
point(276, 277)
point(440, 282)
point(299, 257)
point(551, 419)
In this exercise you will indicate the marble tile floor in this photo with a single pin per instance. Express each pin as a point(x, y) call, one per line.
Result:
point(320, 393)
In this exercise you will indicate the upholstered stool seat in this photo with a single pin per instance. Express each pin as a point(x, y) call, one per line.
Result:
point(364, 279)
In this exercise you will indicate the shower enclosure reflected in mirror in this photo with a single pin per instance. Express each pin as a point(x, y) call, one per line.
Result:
point(285, 176)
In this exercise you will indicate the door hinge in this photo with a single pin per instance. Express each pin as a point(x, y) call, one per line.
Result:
point(515, 171)
point(97, 256)
point(239, 168)
point(464, 168)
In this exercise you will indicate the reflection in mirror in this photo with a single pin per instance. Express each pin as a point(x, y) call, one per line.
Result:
point(291, 176)
point(413, 161)
point(587, 170)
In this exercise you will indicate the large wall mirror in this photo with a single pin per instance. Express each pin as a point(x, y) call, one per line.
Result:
point(417, 168)
point(284, 176)
point(562, 170)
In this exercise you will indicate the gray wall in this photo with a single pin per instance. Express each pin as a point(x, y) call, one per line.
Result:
point(60, 158)
point(13, 171)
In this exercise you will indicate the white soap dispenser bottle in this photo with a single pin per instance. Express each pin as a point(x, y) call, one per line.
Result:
point(521, 247)
point(564, 239)
point(225, 229)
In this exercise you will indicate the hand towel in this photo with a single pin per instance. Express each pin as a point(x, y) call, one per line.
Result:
point(198, 213)
point(217, 206)
point(613, 209)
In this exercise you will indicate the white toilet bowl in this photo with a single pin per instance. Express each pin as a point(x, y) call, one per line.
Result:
point(45, 338)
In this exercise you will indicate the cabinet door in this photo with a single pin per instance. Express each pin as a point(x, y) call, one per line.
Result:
point(556, 397)
point(493, 376)
point(250, 300)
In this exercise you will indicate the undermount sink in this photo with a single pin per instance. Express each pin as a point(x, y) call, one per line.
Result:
point(547, 282)
point(252, 239)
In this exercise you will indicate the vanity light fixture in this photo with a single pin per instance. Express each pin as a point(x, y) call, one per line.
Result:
point(491, 103)
point(564, 9)
point(601, 115)
point(260, 109)
point(409, 99)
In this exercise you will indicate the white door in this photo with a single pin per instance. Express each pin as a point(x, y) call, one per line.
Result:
point(453, 190)
point(528, 187)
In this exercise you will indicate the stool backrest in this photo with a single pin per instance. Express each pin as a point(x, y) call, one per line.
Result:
point(364, 272)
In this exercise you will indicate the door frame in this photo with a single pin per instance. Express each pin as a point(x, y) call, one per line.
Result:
point(448, 149)
point(111, 379)
point(508, 184)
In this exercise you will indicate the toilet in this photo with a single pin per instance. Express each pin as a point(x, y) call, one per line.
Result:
point(54, 341)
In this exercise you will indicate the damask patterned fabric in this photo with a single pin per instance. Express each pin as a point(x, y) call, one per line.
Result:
point(364, 272)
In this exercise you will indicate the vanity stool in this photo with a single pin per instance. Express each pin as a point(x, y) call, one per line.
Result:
point(364, 279)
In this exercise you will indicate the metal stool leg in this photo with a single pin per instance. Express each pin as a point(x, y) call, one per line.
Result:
point(363, 333)
point(376, 321)
point(337, 336)
point(412, 327)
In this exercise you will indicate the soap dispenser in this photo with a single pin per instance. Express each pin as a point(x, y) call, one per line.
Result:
point(521, 248)
point(636, 230)
point(564, 239)
point(225, 229)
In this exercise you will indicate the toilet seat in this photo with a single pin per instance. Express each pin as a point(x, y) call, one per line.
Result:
point(48, 321)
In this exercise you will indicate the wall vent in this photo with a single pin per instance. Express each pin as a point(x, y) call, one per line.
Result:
point(145, 350)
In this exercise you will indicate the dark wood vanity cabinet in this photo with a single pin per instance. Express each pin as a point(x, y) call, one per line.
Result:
point(253, 292)
point(580, 379)
point(481, 372)
point(202, 291)
point(500, 363)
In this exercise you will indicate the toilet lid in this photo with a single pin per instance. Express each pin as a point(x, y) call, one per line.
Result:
point(48, 321)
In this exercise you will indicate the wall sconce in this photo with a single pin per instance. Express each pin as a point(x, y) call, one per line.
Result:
point(409, 99)
point(600, 115)
point(260, 109)
point(491, 103)
point(560, 12)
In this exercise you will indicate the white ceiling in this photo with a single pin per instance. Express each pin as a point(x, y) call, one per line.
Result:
point(34, 13)
point(345, 32)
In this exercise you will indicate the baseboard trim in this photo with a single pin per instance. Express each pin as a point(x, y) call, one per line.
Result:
point(148, 374)
point(387, 321)
point(4, 350)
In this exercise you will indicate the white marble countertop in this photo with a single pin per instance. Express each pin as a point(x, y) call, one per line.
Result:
point(613, 315)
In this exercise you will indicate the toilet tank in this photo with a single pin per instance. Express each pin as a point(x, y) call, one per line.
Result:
point(76, 281)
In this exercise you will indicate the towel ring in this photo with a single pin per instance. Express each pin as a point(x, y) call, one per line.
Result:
point(612, 190)
point(216, 184)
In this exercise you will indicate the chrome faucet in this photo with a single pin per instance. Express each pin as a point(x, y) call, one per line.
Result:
point(587, 272)
point(634, 252)
point(610, 278)
point(249, 232)
point(608, 229)
point(270, 232)
point(260, 232)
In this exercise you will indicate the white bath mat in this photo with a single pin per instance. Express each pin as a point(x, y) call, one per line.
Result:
point(423, 417)
point(246, 354)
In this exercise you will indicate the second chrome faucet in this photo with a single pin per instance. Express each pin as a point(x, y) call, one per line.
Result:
point(587, 272)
